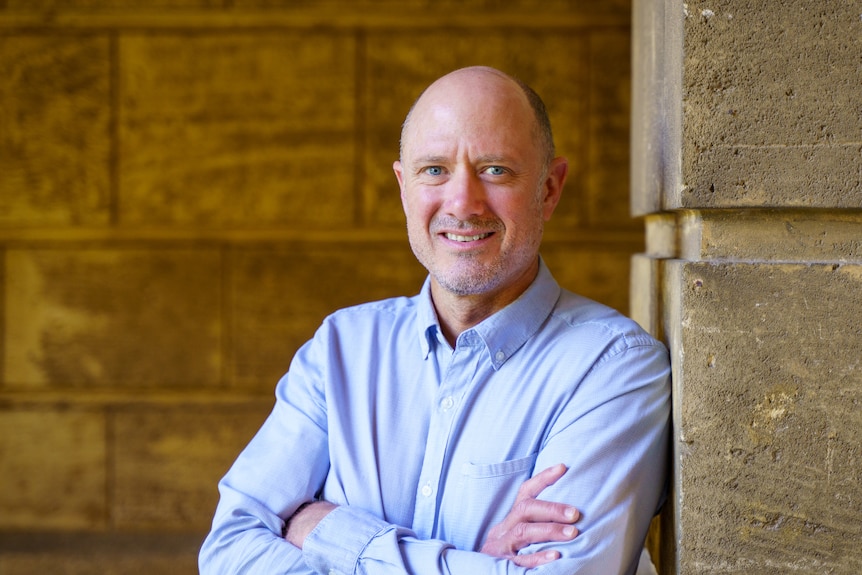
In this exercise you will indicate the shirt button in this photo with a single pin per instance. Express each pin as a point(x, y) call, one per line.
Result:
point(446, 403)
point(426, 490)
point(500, 356)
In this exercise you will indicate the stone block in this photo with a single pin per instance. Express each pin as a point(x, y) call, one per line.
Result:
point(402, 64)
point(280, 295)
point(770, 235)
point(644, 293)
point(54, 130)
point(112, 318)
point(168, 461)
point(240, 130)
point(767, 392)
point(53, 469)
point(772, 117)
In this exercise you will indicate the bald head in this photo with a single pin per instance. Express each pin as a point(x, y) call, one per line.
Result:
point(490, 84)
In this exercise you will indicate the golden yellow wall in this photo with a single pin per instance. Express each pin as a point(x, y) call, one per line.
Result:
point(188, 186)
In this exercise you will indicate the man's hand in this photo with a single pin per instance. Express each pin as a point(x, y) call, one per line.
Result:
point(531, 521)
point(305, 520)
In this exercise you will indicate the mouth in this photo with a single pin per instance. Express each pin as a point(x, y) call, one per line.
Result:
point(472, 238)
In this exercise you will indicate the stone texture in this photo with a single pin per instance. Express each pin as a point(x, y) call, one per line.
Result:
point(168, 461)
point(401, 65)
point(771, 109)
point(771, 235)
point(54, 130)
point(644, 304)
point(656, 121)
point(53, 469)
point(281, 295)
point(767, 390)
point(747, 126)
point(112, 318)
point(248, 130)
point(739, 105)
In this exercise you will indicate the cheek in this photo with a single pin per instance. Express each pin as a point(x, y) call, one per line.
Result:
point(417, 207)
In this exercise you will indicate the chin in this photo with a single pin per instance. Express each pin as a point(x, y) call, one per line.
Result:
point(474, 283)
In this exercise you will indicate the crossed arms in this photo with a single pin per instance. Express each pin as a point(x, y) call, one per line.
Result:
point(530, 521)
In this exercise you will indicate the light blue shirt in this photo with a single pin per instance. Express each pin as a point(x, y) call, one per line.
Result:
point(424, 446)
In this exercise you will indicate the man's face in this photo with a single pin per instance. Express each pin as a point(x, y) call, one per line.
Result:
point(474, 185)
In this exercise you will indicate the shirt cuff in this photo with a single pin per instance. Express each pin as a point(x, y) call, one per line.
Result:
point(334, 546)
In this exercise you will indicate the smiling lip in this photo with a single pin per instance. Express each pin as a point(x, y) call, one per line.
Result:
point(470, 238)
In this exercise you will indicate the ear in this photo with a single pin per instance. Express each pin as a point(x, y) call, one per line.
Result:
point(399, 175)
point(553, 185)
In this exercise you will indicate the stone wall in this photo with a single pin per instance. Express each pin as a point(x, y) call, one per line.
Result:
point(747, 154)
point(188, 187)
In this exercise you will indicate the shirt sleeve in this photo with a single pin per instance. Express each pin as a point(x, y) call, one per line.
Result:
point(613, 438)
point(282, 467)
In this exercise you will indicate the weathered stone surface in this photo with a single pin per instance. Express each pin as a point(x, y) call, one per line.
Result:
point(768, 386)
point(740, 104)
point(242, 130)
point(167, 462)
point(656, 121)
point(281, 295)
point(54, 130)
point(771, 235)
point(53, 469)
point(112, 317)
point(644, 294)
point(771, 107)
point(401, 65)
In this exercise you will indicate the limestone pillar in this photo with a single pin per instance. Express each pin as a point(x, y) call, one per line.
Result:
point(747, 163)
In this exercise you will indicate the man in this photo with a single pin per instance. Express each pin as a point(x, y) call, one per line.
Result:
point(491, 424)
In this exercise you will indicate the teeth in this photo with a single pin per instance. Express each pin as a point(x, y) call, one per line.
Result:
point(458, 238)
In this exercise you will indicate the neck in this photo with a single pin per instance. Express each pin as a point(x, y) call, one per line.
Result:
point(458, 313)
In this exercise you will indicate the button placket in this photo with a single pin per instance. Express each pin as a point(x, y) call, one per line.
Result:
point(453, 383)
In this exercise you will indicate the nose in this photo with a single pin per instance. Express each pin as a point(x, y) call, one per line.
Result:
point(465, 195)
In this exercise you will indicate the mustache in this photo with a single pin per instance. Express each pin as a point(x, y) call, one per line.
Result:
point(450, 223)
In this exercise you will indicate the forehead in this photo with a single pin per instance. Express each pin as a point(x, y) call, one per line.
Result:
point(484, 112)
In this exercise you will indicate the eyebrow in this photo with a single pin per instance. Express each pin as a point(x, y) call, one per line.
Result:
point(430, 160)
point(491, 159)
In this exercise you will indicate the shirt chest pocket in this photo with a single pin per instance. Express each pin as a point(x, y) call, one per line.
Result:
point(502, 472)
point(485, 492)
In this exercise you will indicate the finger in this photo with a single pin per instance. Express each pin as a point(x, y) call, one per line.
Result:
point(541, 511)
point(532, 487)
point(526, 534)
point(530, 560)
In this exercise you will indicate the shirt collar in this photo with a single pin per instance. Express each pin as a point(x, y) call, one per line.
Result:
point(507, 330)
point(427, 318)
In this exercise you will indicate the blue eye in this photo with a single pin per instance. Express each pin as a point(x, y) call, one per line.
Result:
point(496, 170)
point(434, 170)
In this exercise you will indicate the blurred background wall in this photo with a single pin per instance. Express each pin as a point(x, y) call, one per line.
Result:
point(188, 186)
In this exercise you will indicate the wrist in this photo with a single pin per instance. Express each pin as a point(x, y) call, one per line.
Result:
point(304, 520)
